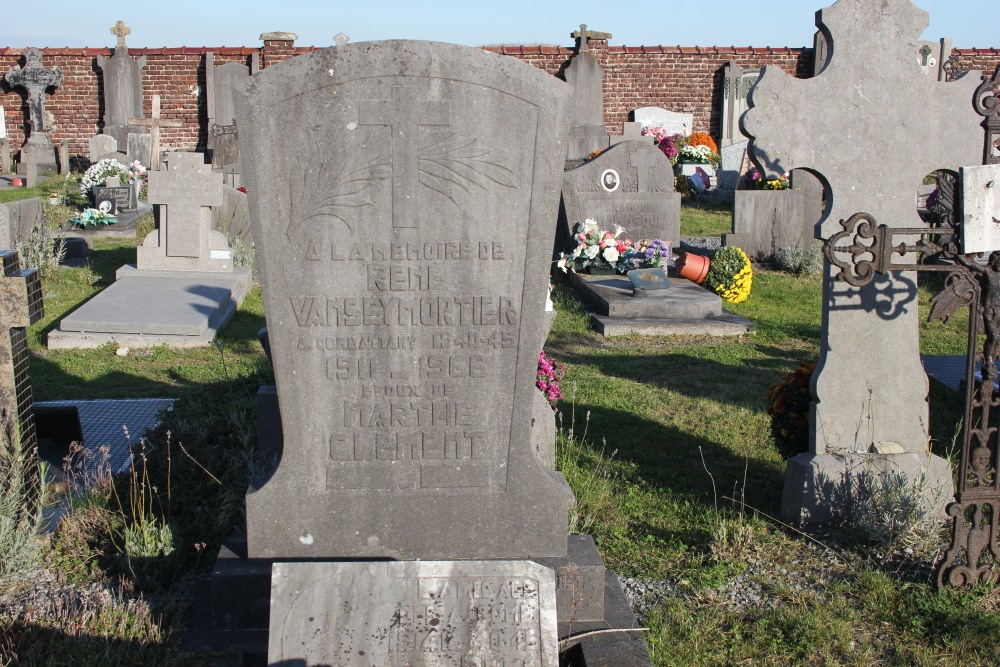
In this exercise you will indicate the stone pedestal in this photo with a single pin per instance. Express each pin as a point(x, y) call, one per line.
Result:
point(766, 220)
point(38, 160)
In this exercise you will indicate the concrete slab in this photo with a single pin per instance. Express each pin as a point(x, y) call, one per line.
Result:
point(144, 309)
point(683, 309)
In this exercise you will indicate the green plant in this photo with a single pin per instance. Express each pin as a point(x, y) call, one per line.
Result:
point(244, 253)
point(788, 406)
point(801, 262)
point(730, 274)
point(99, 173)
point(22, 497)
point(44, 250)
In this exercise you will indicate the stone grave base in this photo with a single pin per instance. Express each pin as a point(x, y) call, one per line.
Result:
point(233, 609)
point(684, 308)
point(149, 308)
point(818, 485)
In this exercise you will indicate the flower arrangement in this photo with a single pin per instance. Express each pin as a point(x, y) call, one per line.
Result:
point(671, 147)
point(730, 274)
point(136, 171)
point(92, 217)
point(602, 250)
point(593, 154)
point(548, 377)
point(98, 174)
point(788, 406)
point(756, 180)
point(703, 139)
point(655, 131)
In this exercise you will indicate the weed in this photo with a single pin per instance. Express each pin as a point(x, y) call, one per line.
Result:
point(800, 261)
point(22, 496)
point(43, 250)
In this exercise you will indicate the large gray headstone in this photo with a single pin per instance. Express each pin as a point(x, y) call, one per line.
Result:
point(403, 255)
point(587, 131)
point(184, 240)
point(472, 613)
point(35, 79)
point(631, 184)
point(100, 146)
point(870, 388)
point(673, 122)
point(122, 77)
point(220, 82)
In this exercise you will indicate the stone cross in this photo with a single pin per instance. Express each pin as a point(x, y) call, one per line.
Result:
point(120, 30)
point(404, 115)
point(583, 38)
point(20, 306)
point(183, 193)
point(870, 388)
point(35, 79)
point(154, 123)
point(340, 39)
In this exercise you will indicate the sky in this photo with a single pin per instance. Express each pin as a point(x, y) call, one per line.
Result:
point(156, 23)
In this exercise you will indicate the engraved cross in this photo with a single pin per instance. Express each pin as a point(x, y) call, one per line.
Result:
point(583, 38)
point(20, 305)
point(119, 31)
point(404, 115)
point(154, 123)
point(643, 162)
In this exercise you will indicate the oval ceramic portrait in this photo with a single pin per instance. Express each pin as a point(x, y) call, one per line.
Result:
point(610, 180)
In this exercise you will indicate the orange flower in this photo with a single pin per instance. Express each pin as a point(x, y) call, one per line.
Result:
point(703, 139)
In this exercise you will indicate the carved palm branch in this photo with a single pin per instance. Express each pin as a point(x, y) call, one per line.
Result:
point(460, 166)
point(313, 196)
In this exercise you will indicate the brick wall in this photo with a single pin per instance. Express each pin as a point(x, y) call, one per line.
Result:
point(685, 79)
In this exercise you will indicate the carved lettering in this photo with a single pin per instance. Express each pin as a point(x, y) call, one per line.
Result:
point(378, 310)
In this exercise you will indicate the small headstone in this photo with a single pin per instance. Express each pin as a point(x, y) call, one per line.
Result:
point(38, 159)
point(6, 238)
point(185, 240)
point(732, 159)
point(672, 121)
point(5, 156)
point(403, 255)
point(122, 76)
point(154, 123)
point(100, 146)
point(468, 613)
point(140, 147)
point(632, 185)
point(35, 79)
point(587, 131)
point(21, 296)
point(630, 132)
point(64, 156)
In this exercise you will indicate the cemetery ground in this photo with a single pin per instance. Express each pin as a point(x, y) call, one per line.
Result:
point(665, 441)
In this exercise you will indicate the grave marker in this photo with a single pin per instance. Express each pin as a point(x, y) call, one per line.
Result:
point(102, 146)
point(35, 79)
point(672, 121)
point(870, 387)
point(587, 132)
point(21, 301)
point(405, 284)
point(122, 77)
point(154, 123)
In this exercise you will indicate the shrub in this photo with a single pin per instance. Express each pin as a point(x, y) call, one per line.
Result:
point(801, 262)
point(788, 405)
point(43, 250)
point(22, 497)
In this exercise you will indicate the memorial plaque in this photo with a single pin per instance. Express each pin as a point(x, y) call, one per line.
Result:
point(116, 197)
point(404, 255)
point(632, 185)
point(649, 280)
point(463, 614)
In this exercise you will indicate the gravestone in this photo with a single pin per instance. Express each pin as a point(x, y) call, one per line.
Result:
point(64, 156)
point(410, 243)
point(38, 154)
point(102, 146)
point(870, 411)
point(631, 184)
point(21, 301)
point(154, 123)
point(222, 137)
point(630, 132)
point(4, 155)
point(18, 219)
point(184, 239)
point(140, 147)
point(736, 85)
point(421, 613)
point(732, 164)
point(672, 121)
point(587, 132)
point(122, 78)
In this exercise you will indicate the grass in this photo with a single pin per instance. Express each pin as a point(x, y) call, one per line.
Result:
point(657, 434)
point(705, 218)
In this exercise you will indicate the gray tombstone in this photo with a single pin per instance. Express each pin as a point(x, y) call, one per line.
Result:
point(122, 78)
point(587, 131)
point(35, 79)
point(185, 241)
point(732, 163)
point(631, 184)
point(6, 238)
point(101, 146)
point(64, 156)
point(736, 85)
point(220, 82)
point(630, 132)
point(5, 155)
point(140, 147)
point(403, 255)
point(870, 410)
point(417, 613)
point(673, 122)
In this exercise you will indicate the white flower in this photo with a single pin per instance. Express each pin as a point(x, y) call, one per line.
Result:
point(592, 251)
point(619, 230)
point(611, 254)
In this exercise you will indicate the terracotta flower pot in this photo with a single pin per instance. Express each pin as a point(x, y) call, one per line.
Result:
point(692, 266)
point(15, 182)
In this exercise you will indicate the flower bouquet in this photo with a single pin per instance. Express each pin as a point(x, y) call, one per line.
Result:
point(730, 274)
point(99, 173)
point(669, 144)
point(602, 251)
point(93, 217)
point(755, 180)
